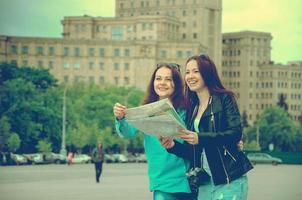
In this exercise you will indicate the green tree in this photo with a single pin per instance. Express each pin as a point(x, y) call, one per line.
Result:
point(30, 106)
point(4, 131)
point(92, 106)
point(44, 146)
point(13, 142)
point(275, 126)
point(252, 146)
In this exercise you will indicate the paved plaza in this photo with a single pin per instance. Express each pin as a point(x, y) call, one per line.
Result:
point(127, 182)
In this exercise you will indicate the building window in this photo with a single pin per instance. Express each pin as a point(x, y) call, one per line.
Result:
point(77, 65)
point(102, 66)
point(126, 66)
point(163, 54)
point(195, 35)
point(116, 52)
point(117, 33)
point(183, 36)
point(188, 53)
point(40, 63)
point(25, 63)
point(66, 51)
point(39, 50)
point(126, 80)
point(91, 51)
point(66, 65)
point(25, 50)
point(14, 62)
point(77, 51)
point(116, 66)
point(91, 65)
point(102, 80)
point(127, 52)
point(179, 54)
point(50, 64)
point(102, 52)
point(13, 49)
point(51, 51)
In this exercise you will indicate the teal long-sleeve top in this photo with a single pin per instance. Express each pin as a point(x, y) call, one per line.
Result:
point(166, 171)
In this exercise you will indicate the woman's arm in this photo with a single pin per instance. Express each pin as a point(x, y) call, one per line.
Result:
point(124, 128)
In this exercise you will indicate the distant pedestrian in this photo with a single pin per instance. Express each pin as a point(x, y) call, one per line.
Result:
point(98, 158)
point(69, 158)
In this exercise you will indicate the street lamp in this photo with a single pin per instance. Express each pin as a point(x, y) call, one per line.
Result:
point(63, 144)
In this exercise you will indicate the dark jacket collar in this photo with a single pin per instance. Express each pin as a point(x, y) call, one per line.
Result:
point(215, 104)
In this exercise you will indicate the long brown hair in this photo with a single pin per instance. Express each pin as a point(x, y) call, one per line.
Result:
point(177, 98)
point(208, 72)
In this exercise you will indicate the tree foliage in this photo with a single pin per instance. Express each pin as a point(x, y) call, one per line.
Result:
point(44, 146)
point(276, 127)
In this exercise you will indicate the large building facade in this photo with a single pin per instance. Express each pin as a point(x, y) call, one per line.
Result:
point(123, 50)
point(258, 82)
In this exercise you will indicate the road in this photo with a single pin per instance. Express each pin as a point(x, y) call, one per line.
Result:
point(127, 181)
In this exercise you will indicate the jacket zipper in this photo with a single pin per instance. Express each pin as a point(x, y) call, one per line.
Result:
point(227, 152)
point(214, 128)
point(226, 174)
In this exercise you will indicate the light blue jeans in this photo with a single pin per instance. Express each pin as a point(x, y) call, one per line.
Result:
point(159, 195)
point(235, 190)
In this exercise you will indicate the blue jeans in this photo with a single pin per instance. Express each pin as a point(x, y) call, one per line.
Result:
point(235, 190)
point(159, 195)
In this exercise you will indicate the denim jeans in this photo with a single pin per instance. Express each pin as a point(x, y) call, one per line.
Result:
point(159, 195)
point(235, 190)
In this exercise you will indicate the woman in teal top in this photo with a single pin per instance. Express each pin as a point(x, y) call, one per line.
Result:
point(167, 172)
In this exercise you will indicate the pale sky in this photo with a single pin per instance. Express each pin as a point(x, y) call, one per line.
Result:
point(282, 18)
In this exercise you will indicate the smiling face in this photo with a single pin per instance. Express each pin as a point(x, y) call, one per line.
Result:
point(163, 83)
point(193, 77)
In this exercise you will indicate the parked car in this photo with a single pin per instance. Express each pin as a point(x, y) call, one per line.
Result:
point(34, 158)
point(54, 158)
point(120, 158)
point(18, 159)
point(81, 158)
point(109, 158)
point(141, 158)
point(263, 158)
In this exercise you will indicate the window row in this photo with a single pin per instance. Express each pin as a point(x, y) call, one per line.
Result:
point(231, 63)
point(68, 51)
point(261, 95)
point(194, 36)
point(295, 96)
point(76, 65)
point(231, 52)
point(101, 80)
point(92, 65)
point(231, 74)
point(179, 54)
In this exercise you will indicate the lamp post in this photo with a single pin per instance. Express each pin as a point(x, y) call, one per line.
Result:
point(63, 144)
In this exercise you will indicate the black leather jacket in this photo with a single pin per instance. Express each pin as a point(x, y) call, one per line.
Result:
point(220, 131)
